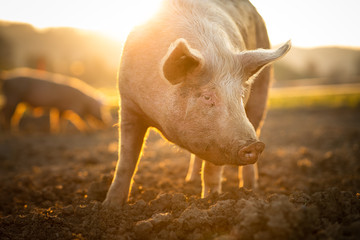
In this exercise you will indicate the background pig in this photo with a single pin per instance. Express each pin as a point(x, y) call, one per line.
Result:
point(190, 72)
point(72, 98)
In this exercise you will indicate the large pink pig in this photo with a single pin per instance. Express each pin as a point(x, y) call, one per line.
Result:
point(195, 71)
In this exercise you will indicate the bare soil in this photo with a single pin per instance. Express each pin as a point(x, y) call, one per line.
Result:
point(52, 186)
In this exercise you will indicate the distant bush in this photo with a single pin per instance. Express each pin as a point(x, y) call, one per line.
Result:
point(82, 54)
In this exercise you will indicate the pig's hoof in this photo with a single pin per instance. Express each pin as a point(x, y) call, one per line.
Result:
point(193, 178)
point(112, 203)
point(251, 185)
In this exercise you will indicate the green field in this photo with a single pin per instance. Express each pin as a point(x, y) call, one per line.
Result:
point(344, 95)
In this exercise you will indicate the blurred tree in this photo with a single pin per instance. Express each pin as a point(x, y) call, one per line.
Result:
point(98, 72)
point(311, 69)
point(284, 72)
point(5, 53)
point(39, 62)
point(87, 55)
point(336, 75)
point(357, 66)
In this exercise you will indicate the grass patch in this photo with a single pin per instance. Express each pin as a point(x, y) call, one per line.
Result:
point(341, 95)
point(331, 100)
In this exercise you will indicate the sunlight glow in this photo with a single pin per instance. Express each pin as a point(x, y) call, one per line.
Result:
point(132, 13)
point(308, 23)
point(113, 18)
point(311, 23)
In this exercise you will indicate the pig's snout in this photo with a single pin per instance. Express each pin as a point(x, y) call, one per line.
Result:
point(250, 154)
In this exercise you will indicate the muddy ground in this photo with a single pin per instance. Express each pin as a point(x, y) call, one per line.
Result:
point(52, 186)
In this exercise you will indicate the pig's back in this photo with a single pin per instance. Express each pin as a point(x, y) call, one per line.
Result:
point(41, 93)
point(249, 22)
point(14, 87)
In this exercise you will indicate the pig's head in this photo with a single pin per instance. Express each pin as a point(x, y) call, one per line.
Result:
point(206, 110)
point(98, 112)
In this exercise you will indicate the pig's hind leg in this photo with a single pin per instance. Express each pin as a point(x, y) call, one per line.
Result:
point(256, 111)
point(8, 111)
point(75, 119)
point(5, 117)
point(211, 175)
point(132, 132)
point(55, 120)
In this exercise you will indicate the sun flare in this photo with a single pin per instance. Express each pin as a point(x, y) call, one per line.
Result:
point(116, 18)
point(132, 13)
point(113, 18)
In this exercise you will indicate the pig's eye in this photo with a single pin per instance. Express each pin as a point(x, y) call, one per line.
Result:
point(207, 99)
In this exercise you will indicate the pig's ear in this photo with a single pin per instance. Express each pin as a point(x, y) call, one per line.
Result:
point(253, 61)
point(180, 61)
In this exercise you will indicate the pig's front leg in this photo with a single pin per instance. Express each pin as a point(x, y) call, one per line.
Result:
point(194, 170)
point(211, 178)
point(132, 134)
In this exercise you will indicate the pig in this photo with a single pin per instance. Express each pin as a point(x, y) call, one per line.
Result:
point(198, 72)
point(72, 98)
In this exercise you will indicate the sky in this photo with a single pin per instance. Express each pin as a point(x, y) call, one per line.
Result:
point(308, 23)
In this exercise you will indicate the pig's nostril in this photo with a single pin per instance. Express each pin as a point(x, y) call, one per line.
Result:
point(251, 152)
point(259, 146)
